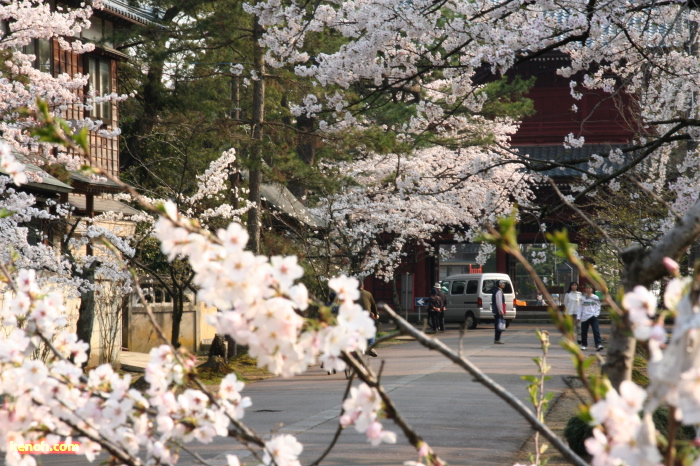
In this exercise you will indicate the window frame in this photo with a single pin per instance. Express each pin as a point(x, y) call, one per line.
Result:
point(452, 287)
point(102, 111)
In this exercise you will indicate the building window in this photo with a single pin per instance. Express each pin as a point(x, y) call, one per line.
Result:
point(41, 49)
point(100, 31)
point(99, 84)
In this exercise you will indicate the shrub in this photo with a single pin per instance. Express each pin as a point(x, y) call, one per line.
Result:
point(576, 432)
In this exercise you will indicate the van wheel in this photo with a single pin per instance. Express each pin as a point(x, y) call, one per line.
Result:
point(470, 321)
point(507, 323)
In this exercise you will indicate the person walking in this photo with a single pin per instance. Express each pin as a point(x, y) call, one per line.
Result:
point(498, 309)
point(572, 302)
point(434, 308)
point(367, 302)
point(440, 313)
point(588, 317)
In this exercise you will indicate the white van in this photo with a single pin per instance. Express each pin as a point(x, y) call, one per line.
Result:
point(469, 298)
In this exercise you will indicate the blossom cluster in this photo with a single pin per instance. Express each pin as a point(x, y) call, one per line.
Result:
point(56, 401)
point(260, 302)
point(361, 410)
point(626, 438)
point(428, 191)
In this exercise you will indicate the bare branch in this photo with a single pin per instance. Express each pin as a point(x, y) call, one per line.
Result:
point(585, 217)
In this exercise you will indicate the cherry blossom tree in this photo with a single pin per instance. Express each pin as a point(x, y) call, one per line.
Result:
point(647, 51)
point(28, 88)
point(77, 249)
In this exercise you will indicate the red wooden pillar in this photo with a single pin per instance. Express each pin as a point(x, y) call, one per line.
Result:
point(501, 263)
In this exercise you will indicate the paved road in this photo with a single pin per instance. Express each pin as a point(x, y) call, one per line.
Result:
point(464, 422)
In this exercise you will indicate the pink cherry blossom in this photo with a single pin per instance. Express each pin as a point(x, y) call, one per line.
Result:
point(640, 303)
point(282, 450)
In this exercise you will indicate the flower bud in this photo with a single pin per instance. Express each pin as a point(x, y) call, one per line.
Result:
point(672, 266)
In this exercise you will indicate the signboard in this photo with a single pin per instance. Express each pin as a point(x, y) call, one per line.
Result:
point(421, 302)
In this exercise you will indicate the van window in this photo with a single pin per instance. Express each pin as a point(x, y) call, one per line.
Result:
point(457, 287)
point(488, 285)
point(472, 286)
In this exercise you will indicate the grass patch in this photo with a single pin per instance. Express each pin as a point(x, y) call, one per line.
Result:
point(640, 375)
point(245, 367)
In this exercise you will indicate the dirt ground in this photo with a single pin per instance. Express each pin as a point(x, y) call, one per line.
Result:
point(564, 407)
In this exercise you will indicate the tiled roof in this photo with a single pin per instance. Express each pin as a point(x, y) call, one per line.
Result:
point(557, 153)
point(282, 199)
point(101, 204)
point(94, 184)
point(48, 182)
point(139, 14)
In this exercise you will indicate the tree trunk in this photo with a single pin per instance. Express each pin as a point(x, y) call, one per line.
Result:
point(643, 267)
point(86, 311)
point(231, 347)
point(178, 308)
point(396, 296)
point(306, 150)
point(255, 178)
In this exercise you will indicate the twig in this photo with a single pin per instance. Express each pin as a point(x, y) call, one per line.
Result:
point(114, 450)
point(670, 456)
point(193, 453)
point(557, 317)
point(585, 217)
point(655, 196)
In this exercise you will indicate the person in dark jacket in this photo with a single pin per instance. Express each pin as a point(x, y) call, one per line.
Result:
point(434, 308)
point(440, 312)
point(367, 302)
point(498, 309)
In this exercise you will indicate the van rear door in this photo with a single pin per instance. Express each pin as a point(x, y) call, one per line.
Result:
point(454, 299)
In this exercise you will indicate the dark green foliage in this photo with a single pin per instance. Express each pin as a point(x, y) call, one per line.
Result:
point(506, 97)
point(576, 432)
point(660, 418)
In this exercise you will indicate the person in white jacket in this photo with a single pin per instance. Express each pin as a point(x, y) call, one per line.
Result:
point(572, 302)
point(588, 316)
